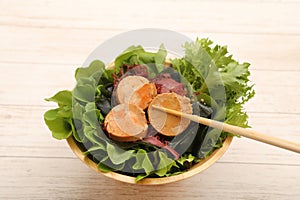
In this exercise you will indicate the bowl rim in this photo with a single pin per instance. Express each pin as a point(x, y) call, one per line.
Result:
point(195, 169)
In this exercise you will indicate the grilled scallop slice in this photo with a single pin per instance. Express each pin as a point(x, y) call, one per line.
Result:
point(143, 96)
point(126, 123)
point(128, 86)
point(168, 124)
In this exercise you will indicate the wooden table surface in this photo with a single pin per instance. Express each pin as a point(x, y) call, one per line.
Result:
point(43, 42)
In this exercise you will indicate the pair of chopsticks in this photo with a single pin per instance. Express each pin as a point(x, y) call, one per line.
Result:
point(248, 133)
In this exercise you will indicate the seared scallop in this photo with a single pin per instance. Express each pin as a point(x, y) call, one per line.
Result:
point(126, 123)
point(168, 124)
point(143, 96)
point(128, 86)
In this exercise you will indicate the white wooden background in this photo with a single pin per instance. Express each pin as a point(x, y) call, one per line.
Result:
point(43, 41)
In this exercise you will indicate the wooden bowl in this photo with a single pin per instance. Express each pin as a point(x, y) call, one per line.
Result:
point(197, 168)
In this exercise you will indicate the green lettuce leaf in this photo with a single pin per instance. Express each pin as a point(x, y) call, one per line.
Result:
point(136, 55)
point(160, 58)
point(165, 164)
point(58, 120)
point(63, 98)
point(117, 155)
point(86, 72)
point(186, 158)
point(143, 162)
point(60, 127)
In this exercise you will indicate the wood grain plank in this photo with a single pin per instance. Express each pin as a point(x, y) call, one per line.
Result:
point(38, 178)
point(72, 47)
point(206, 15)
point(31, 138)
point(42, 42)
point(30, 84)
point(275, 92)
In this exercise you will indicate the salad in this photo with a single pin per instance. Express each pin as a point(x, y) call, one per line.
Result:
point(111, 117)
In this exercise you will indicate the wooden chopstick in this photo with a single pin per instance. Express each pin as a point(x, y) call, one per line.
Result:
point(248, 133)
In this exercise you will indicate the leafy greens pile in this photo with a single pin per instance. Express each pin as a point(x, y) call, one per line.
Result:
point(208, 70)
